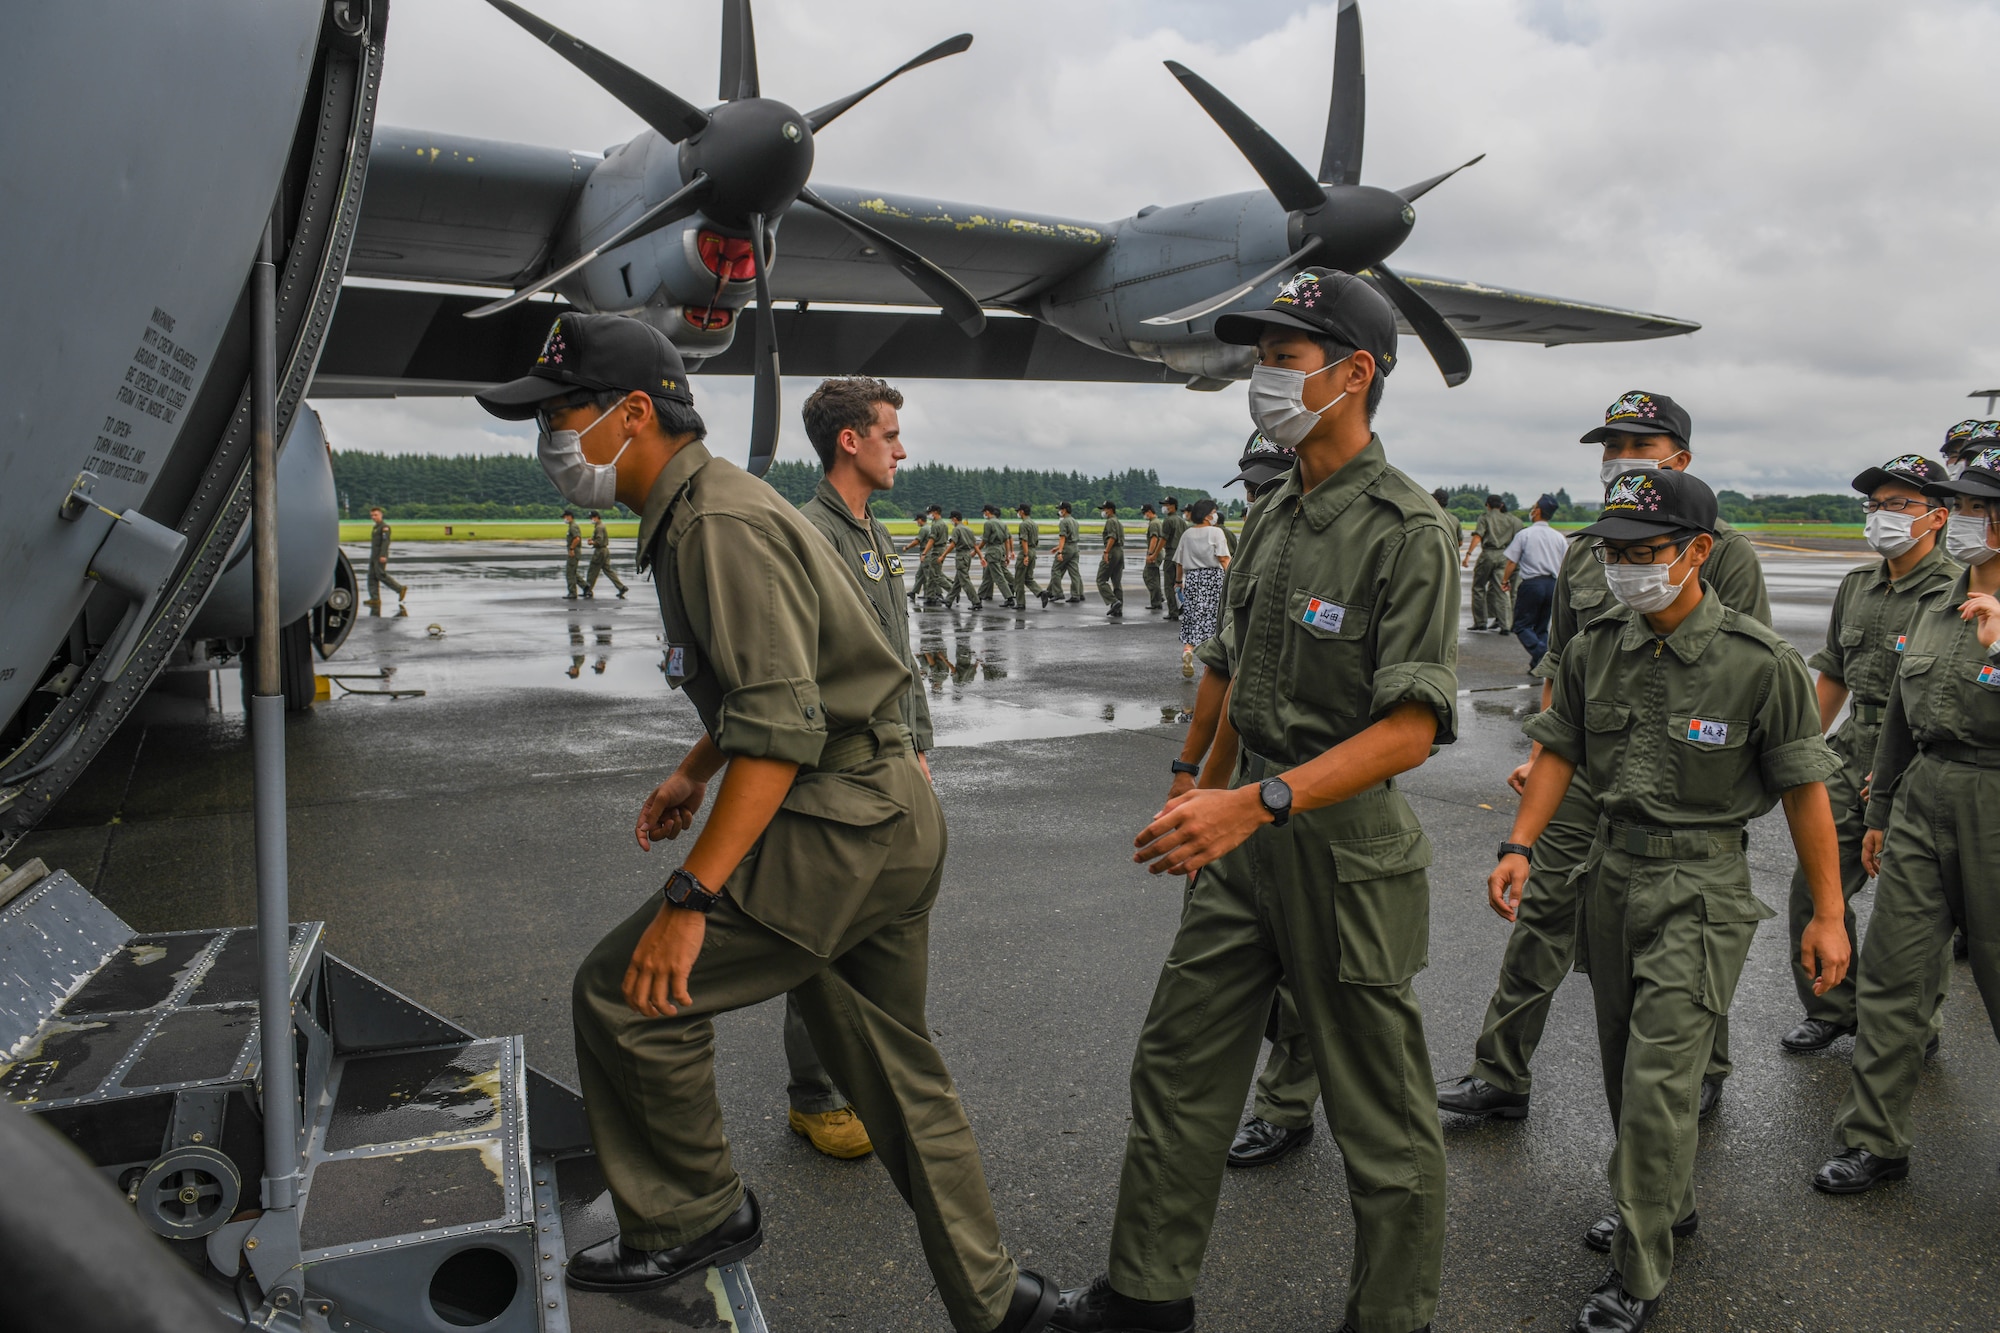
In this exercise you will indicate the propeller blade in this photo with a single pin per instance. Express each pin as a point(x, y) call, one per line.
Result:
point(739, 52)
point(1290, 182)
point(961, 305)
point(951, 46)
point(1412, 193)
point(1346, 116)
point(1221, 299)
point(688, 199)
point(673, 118)
point(764, 405)
point(1440, 339)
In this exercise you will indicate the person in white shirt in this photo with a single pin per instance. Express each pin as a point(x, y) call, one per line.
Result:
point(1202, 556)
point(1533, 558)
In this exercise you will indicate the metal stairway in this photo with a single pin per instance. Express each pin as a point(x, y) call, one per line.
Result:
point(436, 1168)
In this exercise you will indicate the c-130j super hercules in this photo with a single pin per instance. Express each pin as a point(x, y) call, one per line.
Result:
point(177, 279)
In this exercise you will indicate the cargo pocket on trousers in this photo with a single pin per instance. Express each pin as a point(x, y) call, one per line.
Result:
point(1730, 913)
point(1382, 906)
point(1579, 884)
point(819, 859)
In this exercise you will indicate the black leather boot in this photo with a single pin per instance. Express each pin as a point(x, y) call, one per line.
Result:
point(612, 1265)
point(1098, 1309)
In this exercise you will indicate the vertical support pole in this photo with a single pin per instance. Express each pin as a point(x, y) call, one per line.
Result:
point(267, 741)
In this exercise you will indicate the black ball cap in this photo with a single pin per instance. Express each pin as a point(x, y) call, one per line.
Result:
point(1642, 413)
point(1903, 470)
point(1654, 503)
point(1328, 303)
point(605, 353)
point(1981, 479)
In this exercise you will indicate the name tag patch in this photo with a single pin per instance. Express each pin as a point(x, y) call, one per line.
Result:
point(679, 664)
point(871, 565)
point(1989, 675)
point(896, 565)
point(1322, 614)
point(1708, 733)
point(1899, 643)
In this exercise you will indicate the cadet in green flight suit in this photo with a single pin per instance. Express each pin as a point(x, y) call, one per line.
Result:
point(378, 561)
point(996, 582)
point(1028, 541)
point(1865, 639)
point(1173, 525)
point(1111, 563)
point(1336, 655)
point(1640, 430)
point(1691, 720)
point(1155, 551)
point(937, 533)
point(1933, 837)
point(815, 871)
point(1492, 604)
point(573, 545)
point(963, 545)
point(1065, 560)
point(600, 557)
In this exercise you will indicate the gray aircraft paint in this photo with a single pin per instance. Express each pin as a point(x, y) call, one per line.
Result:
point(115, 320)
point(308, 542)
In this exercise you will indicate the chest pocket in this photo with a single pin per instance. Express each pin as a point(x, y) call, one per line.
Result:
point(1706, 757)
point(1324, 660)
point(1606, 726)
point(1239, 594)
point(1587, 599)
point(1914, 675)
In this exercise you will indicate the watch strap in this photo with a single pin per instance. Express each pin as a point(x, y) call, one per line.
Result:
point(1183, 766)
point(1520, 849)
point(684, 890)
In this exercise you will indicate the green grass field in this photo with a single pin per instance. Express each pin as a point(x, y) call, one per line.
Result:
point(552, 530)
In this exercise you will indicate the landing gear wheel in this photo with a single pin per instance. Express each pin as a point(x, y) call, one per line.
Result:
point(188, 1193)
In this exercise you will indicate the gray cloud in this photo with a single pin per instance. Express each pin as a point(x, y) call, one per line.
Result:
point(1811, 179)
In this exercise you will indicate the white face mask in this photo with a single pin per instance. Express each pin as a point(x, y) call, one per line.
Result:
point(1965, 539)
point(1954, 468)
point(1644, 588)
point(1278, 403)
point(583, 483)
point(1889, 534)
point(1612, 468)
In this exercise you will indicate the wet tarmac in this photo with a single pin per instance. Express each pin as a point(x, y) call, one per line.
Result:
point(467, 846)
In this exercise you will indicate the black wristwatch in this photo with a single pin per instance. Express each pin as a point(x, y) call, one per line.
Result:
point(1516, 849)
point(684, 890)
point(1183, 766)
point(1275, 795)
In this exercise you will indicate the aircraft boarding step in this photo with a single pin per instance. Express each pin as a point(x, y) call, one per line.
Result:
point(439, 1174)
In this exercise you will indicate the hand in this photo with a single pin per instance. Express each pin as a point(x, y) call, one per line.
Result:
point(1518, 779)
point(1871, 852)
point(1182, 784)
point(670, 810)
point(924, 762)
point(656, 982)
point(1823, 952)
point(1505, 586)
point(1986, 610)
point(1465, 563)
point(1506, 884)
point(1195, 828)
point(1867, 786)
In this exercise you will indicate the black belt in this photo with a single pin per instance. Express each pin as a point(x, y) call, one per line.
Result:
point(1870, 715)
point(1258, 767)
point(852, 751)
point(1957, 752)
point(1673, 844)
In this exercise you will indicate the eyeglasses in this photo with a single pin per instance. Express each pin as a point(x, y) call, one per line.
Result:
point(1899, 505)
point(1633, 555)
point(545, 414)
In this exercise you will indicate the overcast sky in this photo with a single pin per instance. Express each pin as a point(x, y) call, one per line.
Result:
point(1814, 181)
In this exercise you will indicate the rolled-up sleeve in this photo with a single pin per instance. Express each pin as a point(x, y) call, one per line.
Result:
point(1792, 751)
point(1559, 727)
point(756, 612)
point(1416, 631)
point(1831, 659)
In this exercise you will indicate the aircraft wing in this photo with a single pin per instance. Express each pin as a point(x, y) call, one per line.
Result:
point(1503, 314)
point(393, 343)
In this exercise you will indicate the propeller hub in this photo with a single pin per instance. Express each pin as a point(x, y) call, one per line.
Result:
point(1358, 226)
point(759, 153)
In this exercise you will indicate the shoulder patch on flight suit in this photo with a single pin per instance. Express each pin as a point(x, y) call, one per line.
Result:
point(871, 565)
point(1322, 614)
point(896, 565)
point(682, 664)
point(1708, 733)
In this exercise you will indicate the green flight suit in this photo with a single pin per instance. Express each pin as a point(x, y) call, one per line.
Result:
point(962, 545)
point(573, 545)
point(600, 559)
point(1173, 526)
point(1937, 793)
point(1111, 565)
point(938, 533)
point(1027, 543)
point(1066, 560)
point(1541, 947)
point(995, 582)
point(1341, 607)
point(1684, 740)
point(378, 564)
point(1155, 557)
point(1865, 638)
point(782, 657)
point(1492, 604)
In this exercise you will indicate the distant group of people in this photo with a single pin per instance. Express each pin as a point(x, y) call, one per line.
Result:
point(1672, 715)
point(1514, 580)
